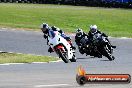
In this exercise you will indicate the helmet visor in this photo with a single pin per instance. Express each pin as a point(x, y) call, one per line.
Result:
point(43, 29)
point(93, 30)
point(79, 34)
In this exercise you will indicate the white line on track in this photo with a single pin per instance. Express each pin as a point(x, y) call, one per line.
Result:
point(55, 61)
point(125, 38)
point(12, 63)
point(5, 64)
point(73, 34)
point(52, 85)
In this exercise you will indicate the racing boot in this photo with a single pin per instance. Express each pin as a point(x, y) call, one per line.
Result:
point(50, 50)
point(73, 47)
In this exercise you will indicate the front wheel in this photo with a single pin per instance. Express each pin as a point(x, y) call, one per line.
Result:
point(63, 56)
point(108, 54)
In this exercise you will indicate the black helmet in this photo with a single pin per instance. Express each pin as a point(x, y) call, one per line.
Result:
point(79, 32)
point(44, 27)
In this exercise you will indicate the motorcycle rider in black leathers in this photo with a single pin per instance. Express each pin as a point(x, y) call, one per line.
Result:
point(94, 30)
point(81, 40)
point(88, 40)
point(45, 29)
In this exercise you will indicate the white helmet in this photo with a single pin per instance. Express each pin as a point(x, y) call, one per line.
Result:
point(44, 27)
point(93, 28)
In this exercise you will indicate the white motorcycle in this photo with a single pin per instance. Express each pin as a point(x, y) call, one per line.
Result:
point(61, 46)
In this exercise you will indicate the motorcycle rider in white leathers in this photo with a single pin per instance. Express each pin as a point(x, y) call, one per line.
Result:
point(45, 29)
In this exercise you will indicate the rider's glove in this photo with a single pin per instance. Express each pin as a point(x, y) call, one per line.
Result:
point(103, 34)
point(45, 36)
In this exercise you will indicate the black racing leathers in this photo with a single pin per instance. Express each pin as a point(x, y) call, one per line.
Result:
point(90, 35)
point(103, 34)
point(78, 40)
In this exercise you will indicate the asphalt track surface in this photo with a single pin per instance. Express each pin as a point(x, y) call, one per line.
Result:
point(58, 74)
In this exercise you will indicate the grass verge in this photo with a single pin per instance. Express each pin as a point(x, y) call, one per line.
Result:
point(114, 22)
point(23, 58)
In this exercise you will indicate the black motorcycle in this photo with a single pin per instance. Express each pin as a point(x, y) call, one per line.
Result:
point(100, 46)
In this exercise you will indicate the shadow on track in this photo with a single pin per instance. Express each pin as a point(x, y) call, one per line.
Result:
point(104, 60)
point(83, 58)
point(87, 58)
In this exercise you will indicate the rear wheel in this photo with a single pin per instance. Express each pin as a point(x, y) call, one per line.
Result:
point(63, 56)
